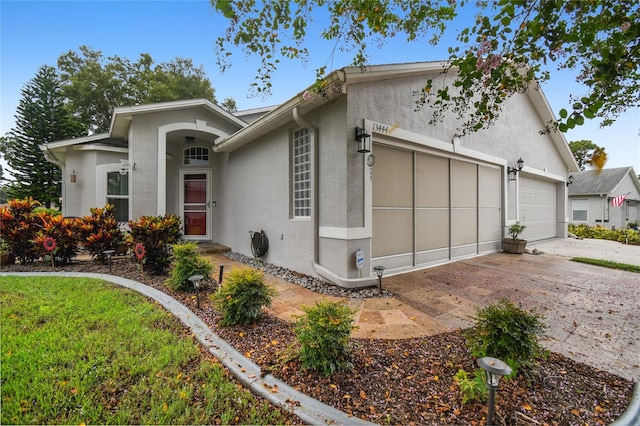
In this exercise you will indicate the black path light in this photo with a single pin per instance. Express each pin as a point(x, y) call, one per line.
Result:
point(195, 280)
point(495, 370)
point(379, 270)
point(109, 253)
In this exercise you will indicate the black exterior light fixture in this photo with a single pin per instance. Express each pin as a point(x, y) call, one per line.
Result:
point(379, 270)
point(495, 370)
point(195, 280)
point(189, 140)
point(513, 171)
point(109, 253)
point(570, 180)
point(363, 140)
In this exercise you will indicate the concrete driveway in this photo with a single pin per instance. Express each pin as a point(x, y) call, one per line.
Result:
point(593, 312)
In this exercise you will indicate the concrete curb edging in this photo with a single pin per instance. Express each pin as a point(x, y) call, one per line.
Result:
point(631, 416)
point(308, 410)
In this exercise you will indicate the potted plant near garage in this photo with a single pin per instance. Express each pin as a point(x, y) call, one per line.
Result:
point(514, 244)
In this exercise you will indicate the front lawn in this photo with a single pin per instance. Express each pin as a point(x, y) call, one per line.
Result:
point(82, 351)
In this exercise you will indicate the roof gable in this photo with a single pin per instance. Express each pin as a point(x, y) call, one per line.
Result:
point(602, 181)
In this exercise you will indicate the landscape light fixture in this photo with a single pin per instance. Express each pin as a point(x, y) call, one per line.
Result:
point(513, 171)
point(195, 280)
point(570, 180)
point(379, 270)
point(109, 253)
point(363, 140)
point(495, 370)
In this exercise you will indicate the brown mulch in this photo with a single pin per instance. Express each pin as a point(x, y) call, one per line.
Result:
point(406, 381)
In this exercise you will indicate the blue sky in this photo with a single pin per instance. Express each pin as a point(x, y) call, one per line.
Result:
point(35, 33)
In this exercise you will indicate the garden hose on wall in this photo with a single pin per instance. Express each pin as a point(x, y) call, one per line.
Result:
point(259, 243)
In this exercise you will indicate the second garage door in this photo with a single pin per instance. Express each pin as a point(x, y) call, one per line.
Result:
point(538, 208)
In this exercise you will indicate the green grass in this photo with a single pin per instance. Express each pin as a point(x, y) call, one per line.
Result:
point(608, 264)
point(80, 351)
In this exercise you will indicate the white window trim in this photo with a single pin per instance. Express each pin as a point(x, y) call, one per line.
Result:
point(586, 201)
point(101, 185)
point(184, 151)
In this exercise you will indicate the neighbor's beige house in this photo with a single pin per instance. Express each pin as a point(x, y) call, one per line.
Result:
point(422, 196)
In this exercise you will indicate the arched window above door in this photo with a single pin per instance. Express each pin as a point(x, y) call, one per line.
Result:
point(196, 156)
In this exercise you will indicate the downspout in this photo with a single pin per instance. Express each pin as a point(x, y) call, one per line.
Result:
point(316, 223)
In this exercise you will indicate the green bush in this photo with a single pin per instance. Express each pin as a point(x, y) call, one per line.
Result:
point(99, 232)
point(474, 389)
point(187, 262)
point(241, 298)
point(626, 236)
point(323, 333)
point(157, 234)
point(509, 333)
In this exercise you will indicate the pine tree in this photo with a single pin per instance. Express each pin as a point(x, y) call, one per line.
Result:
point(41, 118)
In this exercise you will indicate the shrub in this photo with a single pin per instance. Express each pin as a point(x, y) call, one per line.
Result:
point(99, 232)
point(516, 229)
point(64, 232)
point(627, 236)
point(156, 234)
point(18, 227)
point(241, 298)
point(509, 333)
point(323, 333)
point(474, 389)
point(187, 262)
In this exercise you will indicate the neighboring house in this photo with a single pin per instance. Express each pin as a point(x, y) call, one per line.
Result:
point(592, 193)
point(422, 196)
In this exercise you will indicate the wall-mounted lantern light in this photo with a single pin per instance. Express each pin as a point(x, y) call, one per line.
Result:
point(73, 177)
point(513, 171)
point(363, 140)
point(570, 180)
point(189, 140)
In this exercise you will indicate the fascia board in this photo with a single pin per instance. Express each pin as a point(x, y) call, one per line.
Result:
point(74, 141)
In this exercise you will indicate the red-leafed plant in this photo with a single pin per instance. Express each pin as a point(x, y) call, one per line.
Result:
point(65, 233)
point(156, 234)
point(99, 232)
point(18, 227)
point(50, 246)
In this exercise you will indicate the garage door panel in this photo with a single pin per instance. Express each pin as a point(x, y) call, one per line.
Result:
point(464, 229)
point(464, 184)
point(490, 220)
point(432, 181)
point(432, 229)
point(538, 208)
point(392, 232)
point(393, 178)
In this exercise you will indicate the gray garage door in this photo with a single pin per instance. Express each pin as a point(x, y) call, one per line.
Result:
point(428, 209)
point(538, 208)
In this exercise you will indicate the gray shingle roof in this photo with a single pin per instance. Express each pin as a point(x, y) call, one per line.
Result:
point(597, 182)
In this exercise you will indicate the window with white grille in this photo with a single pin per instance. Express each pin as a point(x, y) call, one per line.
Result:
point(118, 194)
point(196, 155)
point(301, 151)
point(579, 209)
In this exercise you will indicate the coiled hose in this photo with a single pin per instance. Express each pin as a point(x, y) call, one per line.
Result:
point(259, 243)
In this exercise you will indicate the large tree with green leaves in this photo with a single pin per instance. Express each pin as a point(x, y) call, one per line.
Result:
point(512, 46)
point(95, 84)
point(42, 117)
point(587, 153)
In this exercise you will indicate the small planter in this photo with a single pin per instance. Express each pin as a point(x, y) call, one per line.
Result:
point(7, 259)
point(509, 245)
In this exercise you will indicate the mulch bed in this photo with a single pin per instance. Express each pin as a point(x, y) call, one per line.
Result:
point(406, 381)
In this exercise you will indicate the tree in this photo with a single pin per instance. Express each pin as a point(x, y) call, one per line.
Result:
point(587, 153)
point(511, 47)
point(95, 85)
point(229, 104)
point(41, 117)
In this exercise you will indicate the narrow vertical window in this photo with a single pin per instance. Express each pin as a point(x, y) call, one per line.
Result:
point(118, 194)
point(301, 152)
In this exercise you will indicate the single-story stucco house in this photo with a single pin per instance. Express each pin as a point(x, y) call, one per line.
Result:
point(592, 197)
point(420, 196)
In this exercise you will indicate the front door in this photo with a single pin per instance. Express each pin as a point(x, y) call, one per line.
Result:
point(195, 204)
